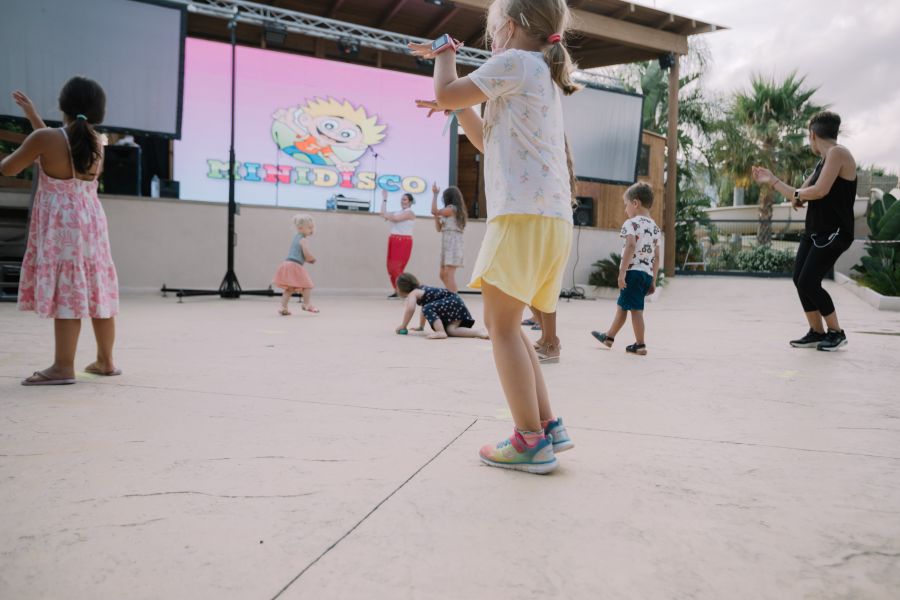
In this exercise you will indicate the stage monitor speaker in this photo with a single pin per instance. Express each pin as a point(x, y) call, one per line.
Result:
point(122, 170)
point(584, 211)
point(169, 189)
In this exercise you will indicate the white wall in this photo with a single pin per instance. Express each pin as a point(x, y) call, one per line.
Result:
point(183, 244)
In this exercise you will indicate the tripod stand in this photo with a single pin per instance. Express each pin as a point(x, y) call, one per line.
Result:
point(230, 287)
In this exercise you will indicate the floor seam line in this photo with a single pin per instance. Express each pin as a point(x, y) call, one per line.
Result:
point(371, 512)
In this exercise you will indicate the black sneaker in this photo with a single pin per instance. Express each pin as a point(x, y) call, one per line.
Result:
point(811, 340)
point(394, 295)
point(833, 340)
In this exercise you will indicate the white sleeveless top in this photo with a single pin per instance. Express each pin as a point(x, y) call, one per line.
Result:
point(403, 227)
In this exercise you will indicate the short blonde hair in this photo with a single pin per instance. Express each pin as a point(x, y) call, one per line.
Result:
point(302, 219)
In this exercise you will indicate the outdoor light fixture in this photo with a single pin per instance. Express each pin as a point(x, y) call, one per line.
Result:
point(274, 34)
point(348, 47)
point(666, 61)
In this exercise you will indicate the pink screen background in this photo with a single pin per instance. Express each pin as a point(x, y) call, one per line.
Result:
point(414, 146)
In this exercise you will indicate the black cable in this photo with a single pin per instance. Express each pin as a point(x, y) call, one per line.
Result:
point(575, 291)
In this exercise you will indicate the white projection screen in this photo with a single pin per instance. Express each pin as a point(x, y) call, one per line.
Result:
point(604, 131)
point(134, 49)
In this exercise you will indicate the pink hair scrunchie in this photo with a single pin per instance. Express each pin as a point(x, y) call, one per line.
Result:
point(554, 38)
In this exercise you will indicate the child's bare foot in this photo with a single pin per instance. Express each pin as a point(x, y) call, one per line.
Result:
point(311, 309)
point(284, 312)
point(102, 368)
point(437, 335)
point(483, 334)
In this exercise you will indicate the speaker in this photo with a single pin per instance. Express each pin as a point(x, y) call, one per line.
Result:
point(583, 215)
point(122, 170)
point(169, 189)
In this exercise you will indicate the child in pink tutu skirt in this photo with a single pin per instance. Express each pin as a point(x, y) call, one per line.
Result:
point(291, 275)
point(67, 271)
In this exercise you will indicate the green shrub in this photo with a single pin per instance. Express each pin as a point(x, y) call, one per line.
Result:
point(763, 259)
point(880, 269)
point(606, 272)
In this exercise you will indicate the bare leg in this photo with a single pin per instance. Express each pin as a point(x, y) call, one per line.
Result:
point(618, 322)
point(454, 330)
point(550, 346)
point(637, 323)
point(832, 322)
point(65, 333)
point(538, 317)
point(285, 298)
point(513, 356)
point(543, 396)
point(450, 278)
point(438, 333)
point(307, 299)
point(815, 320)
point(105, 334)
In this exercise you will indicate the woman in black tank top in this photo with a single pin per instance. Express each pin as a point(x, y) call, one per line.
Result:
point(830, 193)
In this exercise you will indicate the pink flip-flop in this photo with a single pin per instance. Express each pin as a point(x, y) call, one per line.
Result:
point(47, 380)
point(311, 309)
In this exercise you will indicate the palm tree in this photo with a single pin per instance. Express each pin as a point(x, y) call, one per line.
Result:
point(774, 117)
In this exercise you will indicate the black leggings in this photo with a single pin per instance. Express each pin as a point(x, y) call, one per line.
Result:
point(815, 258)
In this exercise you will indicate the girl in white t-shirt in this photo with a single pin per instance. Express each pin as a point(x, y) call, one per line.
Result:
point(528, 185)
point(400, 242)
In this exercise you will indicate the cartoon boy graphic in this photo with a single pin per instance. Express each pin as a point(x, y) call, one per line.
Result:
point(326, 132)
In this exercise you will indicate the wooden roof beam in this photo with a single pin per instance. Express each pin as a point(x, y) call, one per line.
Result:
point(666, 21)
point(614, 30)
point(390, 14)
point(439, 25)
point(335, 8)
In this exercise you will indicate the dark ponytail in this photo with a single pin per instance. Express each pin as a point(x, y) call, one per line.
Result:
point(83, 101)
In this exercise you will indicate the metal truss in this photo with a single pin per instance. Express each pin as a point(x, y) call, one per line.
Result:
point(261, 15)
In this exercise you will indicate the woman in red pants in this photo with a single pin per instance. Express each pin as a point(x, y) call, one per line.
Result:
point(400, 243)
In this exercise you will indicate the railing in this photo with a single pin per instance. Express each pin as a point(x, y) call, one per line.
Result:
point(732, 247)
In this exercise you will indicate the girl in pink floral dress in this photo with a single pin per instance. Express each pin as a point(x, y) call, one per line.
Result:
point(67, 272)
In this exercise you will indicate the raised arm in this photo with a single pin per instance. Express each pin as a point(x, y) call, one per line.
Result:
point(24, 156)
point(830, 171)
point(447, 211)
point(28, 109)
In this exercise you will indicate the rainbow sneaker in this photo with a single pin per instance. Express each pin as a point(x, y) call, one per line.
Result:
point(557, 432)
point(514, 453)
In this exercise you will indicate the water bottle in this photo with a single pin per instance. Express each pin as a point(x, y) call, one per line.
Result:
point(154, 187)
point(331, 203)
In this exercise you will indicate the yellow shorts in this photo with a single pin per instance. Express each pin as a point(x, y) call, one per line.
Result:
point(525, 256)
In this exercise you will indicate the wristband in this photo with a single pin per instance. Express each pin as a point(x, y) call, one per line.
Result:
point(445, 42)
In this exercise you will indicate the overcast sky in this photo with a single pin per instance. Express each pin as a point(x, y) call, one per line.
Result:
point(850, 49)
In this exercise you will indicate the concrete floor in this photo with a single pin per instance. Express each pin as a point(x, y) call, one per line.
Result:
point(243, 455)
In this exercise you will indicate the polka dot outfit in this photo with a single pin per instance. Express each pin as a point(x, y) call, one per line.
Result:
point(442, 304)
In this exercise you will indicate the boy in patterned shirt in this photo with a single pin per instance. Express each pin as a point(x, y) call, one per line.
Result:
point(639, 268)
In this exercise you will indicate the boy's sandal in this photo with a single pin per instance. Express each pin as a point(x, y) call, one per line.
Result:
point(45, 379)
point(606, 340)
point(536, 327)
point(284, 312)
point(639, 349)
point(528, 322)
point(311, 309)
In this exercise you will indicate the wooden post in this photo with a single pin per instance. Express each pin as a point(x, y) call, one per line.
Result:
point(671, 170)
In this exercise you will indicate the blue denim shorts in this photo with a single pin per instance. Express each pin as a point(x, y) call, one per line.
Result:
point(637, 284)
